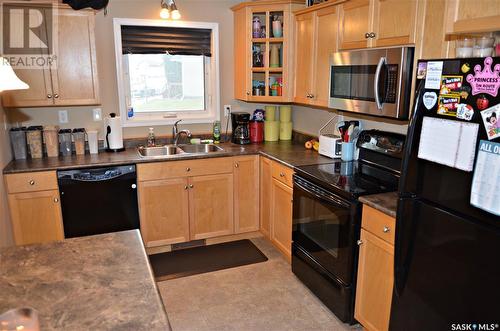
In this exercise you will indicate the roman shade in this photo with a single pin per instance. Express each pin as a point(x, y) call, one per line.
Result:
point(172, 40)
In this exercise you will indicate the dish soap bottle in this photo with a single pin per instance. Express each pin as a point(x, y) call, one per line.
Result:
point(217, 132)
point(151, 138)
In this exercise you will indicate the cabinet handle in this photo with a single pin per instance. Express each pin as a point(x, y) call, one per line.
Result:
point(191, 185)
point(236, 165)
point(56, 95)
point(186, 187)
point(367, 35)
point(32, 182)
point(311, 96)
point(56, 200)
point(49, 96)
point(188, 169)
point(359, 242)
point(248, 93)
point(282, 174)
point(372, 34)
point(386, 229)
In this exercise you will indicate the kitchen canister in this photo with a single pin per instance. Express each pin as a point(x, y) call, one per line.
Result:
point(270, 113)
point(285, 113)
point(274, 61)
point(347, 153)
point(256, 131)
point(79, 139)
point(65, 143)
point(271, 130)
point(34, 139)
point(51, 140)
point(93, 141)
point(286, 130)
point(18, 143)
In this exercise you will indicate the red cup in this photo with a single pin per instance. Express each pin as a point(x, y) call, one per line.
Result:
point(256, 132)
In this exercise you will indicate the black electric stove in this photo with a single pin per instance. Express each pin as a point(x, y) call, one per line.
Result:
point(327, 217)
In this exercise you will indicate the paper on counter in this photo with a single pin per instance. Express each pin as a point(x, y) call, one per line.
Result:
point(485, 192)
point(448, 142)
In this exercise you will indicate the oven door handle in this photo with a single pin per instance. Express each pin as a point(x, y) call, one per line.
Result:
point(381, 62)
point(326, 198)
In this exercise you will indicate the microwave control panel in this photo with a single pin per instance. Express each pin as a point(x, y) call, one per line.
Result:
point(392, 83)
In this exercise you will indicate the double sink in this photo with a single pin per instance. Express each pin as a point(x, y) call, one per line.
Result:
point(170, 150)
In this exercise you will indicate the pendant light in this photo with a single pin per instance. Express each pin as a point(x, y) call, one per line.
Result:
point(169, 10)
point(8, 78)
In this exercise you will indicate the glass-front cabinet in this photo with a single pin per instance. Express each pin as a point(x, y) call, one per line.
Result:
point(262, 45)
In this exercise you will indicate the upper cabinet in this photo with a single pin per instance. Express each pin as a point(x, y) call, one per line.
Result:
point(316, 40)
point(263, 34)
point(73, 80)
point(377, 23)
point(468, 16)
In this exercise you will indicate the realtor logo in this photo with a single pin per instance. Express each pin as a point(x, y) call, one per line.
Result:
point(28, 34)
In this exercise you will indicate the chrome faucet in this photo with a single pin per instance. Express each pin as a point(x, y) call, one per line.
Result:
point(176, 133)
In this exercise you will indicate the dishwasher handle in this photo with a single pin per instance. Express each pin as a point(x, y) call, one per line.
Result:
point(96, 174)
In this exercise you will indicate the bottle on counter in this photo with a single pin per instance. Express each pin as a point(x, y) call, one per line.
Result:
point(217, 131)
point(151, 138)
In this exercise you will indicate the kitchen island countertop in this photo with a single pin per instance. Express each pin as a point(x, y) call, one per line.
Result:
point(385, 202)
point(101, 282)
point(288, 153)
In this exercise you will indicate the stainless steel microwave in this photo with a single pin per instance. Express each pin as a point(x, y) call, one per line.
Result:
point(372, 81)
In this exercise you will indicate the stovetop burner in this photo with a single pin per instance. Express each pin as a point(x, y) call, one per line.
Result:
point(350, 179)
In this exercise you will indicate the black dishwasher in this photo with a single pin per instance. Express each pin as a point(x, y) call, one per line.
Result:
point(98, 200)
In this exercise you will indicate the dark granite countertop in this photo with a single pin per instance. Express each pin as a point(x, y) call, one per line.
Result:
point(288, 153)
point(100, 282)
point(385, 202)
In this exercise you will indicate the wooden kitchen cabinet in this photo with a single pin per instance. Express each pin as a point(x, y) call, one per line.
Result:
point(164, 211)
point(316, 33)
point(266, 182)
point(246, 193)
point(469, 16)
point(73, 80)
point(375, 270)
point(281, 217)
point(211, 206)
point(377, 23)
point(250, 73)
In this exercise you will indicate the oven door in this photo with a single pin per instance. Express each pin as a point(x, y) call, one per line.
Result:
point(325, 227)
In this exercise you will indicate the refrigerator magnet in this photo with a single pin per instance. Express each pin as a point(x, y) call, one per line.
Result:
point(450, 84)
point(491, 121)
point(485, 80)
point(433, 75)
point(465, 111)
point(448, 105)
point(422, 69)
point(430, 100)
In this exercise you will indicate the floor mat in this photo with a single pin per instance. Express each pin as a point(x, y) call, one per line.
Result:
point(198, 260)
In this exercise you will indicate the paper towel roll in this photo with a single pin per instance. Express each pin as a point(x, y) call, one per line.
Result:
point(270, 113)
point(286, 130)
point(115, 137)
point(285, 113)
point(271, 130)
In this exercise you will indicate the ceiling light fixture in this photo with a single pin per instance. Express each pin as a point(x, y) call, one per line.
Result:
point(169, 10)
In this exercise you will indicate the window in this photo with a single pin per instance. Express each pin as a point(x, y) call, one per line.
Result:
point(167, 71)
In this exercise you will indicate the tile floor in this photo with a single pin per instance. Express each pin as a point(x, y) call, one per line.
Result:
point(262, 296)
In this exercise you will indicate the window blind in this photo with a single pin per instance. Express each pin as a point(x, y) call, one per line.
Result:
point(174, 40)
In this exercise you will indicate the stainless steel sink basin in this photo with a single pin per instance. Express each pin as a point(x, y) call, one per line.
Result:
point(203, 148)
point(159, 151)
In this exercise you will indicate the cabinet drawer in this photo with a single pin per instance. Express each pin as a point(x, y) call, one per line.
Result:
point(31, 182)
point(188, 168)
point(282, 173)
point(378, 223)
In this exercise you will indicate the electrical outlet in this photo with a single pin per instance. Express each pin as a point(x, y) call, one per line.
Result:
point(63, 116)
point(97, 114)
point(227, 110)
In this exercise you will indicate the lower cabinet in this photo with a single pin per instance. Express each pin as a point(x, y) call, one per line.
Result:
point(281, 217)
point(375, 271)
point(246, 193)
point(266, 184)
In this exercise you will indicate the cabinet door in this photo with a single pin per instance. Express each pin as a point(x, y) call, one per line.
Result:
point(241, 57)
point(266, 183)
point(74, 79)
point(375, 281)
point(355, 22)
point(164, 211)
point(40, 88)
point(36, 217)
point(304, 56)
point(246, 194)
point(326, 43)
point(211, 206)
point(466, 16)
point(394, 22)
point(281, 217)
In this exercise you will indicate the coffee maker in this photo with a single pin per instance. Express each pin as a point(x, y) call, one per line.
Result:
point(241, 132)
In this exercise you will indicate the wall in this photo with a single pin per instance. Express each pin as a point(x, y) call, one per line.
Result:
point(191, 10)
point(310, 120)
point(5, 157)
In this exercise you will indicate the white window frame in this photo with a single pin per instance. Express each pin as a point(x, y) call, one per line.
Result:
point(212, 111)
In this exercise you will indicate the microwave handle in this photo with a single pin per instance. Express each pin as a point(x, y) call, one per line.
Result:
point(381, 62)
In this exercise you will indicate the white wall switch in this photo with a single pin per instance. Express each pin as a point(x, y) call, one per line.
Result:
point(97, 114)
point(63, 116)
point(227, 110)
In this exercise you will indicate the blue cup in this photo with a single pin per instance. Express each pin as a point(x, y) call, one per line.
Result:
point(347, 153)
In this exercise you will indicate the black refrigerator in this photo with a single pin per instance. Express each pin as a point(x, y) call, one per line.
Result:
point(447, 249)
